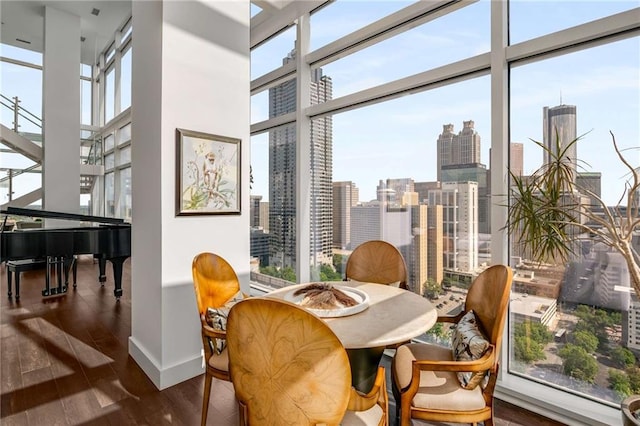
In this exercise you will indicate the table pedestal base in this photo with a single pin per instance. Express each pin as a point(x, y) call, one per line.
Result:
point(364, 367)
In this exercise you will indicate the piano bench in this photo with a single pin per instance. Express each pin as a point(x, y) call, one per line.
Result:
point(18, 266)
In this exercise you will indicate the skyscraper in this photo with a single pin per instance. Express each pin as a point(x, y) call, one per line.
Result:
point(560, 122)
point(591, 181)
point(434, 243)
point(459, 161)
point(393, 189)
point(459, 201)
point(345, 196)
point(456, 150)
point(282, 174)
point(254, 210)
point(516, 158)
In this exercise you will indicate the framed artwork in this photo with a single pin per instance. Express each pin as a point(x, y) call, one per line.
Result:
point(208, 174)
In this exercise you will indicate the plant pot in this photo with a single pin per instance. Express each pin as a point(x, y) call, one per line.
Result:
point(629, 407)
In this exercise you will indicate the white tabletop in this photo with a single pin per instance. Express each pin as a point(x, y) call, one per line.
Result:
point(394, 315)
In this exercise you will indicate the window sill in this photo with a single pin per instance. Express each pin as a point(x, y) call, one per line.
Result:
point(554, 403)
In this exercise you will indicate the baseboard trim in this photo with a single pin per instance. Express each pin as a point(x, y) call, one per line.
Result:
point(167, 377)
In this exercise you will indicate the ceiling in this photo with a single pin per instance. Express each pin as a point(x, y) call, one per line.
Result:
point(23, 21)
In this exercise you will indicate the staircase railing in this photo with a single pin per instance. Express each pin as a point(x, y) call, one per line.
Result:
point(17, 172)
point(94, 156)
point(20, 114)
point(13, 104)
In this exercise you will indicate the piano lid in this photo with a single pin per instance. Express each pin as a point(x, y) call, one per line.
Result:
point(19, 211)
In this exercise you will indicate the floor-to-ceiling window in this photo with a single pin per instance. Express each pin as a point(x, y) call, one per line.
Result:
point(404, 92)
point(569, 323)
point(20, 110)
point(113, 83)
point(105, 99)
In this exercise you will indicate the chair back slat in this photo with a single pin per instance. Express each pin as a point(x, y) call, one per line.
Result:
point(286, 365)
point(214, 280)
point(377, 261)
point(488, 297)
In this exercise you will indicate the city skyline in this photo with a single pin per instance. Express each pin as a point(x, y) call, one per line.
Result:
point(561, 117)
point(601, 81)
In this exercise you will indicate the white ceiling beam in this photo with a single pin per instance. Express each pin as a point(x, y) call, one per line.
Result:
point(266, 6)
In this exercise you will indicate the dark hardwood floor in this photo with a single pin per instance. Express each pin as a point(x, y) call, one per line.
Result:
point(64, 361)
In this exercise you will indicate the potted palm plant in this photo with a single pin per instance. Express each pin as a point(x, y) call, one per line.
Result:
point(548, 215)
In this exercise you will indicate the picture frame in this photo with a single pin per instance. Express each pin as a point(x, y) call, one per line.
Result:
point(207, 173)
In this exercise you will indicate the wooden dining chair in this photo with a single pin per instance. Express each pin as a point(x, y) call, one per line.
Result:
point(215, 283)
point(436, 383)
point(289, 368)
point(377, 261)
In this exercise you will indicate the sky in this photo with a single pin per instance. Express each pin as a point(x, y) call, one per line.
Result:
point(397, 139)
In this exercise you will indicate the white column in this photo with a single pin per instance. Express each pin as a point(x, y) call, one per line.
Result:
point(61, 112)
point(499, 133)
point(303, 152)
point(190, 71)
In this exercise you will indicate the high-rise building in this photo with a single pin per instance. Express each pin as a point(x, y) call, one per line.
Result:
point(264, 215)
point(366, 223)
point(417, 258)
point(423, 188)
point(516, 158)
point(345, 196)
point(378, 221)
point(457, 149)
point(282, 174)
point(259, 245)
point(459, 161)
point(592, 182)
point(478, 173)
point(434, 243)
point(254, 210)
point(393, 189)
point(459, 201)
point(559, 123)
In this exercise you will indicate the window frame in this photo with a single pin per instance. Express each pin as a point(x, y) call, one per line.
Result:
point(548, 399)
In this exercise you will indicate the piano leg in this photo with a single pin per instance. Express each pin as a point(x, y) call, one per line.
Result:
point(17, 287)
point(9, 274)
point(73, 266)
point(102, 266)
point(47, 276)
point(75, 271)
point(55, 264)
point(117, 263)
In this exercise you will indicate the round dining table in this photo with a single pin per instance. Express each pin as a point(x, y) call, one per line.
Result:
point(393, 316)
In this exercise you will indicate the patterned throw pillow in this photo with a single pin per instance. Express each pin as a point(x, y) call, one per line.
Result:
point(468, 344)
point(217, 319)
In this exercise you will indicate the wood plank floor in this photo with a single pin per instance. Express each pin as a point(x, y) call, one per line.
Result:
point(64, 361)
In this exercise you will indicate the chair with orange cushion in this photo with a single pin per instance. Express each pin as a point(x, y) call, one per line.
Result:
point(215, 283)
point(289, 368)
point(379, 262)
point(436, 383)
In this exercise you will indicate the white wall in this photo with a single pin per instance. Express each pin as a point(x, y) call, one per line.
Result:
point(190, 71)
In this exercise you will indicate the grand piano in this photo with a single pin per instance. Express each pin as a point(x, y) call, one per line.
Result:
point(110, 240)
